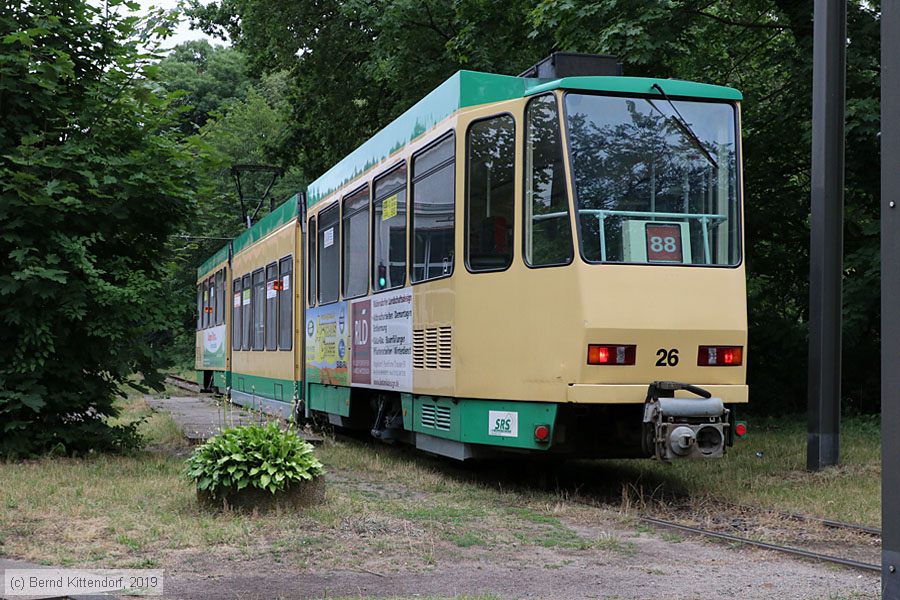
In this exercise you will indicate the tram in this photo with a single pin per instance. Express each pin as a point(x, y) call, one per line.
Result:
point(548, 264)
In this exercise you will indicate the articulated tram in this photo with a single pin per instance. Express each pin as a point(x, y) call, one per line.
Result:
point(547, 264)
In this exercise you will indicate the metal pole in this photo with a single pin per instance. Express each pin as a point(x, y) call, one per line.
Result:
point(890, 292)
point(826, 233)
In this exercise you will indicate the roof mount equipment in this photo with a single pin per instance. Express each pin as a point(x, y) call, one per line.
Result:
point(572, 64)
point(236, 171)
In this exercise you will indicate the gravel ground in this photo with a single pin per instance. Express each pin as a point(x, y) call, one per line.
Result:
point(656, 566)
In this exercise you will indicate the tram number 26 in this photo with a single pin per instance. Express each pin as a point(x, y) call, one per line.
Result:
point(667, 358)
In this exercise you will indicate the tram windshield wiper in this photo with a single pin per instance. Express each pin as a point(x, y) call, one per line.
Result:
point(683, 125)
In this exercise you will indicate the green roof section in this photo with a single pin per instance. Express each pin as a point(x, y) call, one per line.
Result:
point(269, 223)
point(638, 85)
point(463, 89)
point(212, 262)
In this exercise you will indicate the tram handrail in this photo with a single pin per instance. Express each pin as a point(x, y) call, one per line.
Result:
point(601, 214)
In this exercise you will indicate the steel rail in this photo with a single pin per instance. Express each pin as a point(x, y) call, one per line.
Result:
point(831, 523)
point(183, 383)
point(847, 562)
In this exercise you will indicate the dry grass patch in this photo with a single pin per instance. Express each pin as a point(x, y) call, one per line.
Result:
point(768, 469)
point(385, 510)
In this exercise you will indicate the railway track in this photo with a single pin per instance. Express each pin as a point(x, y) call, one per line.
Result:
point(847, 562)
point(185, 384)
point(829, 523)
point(784, 549)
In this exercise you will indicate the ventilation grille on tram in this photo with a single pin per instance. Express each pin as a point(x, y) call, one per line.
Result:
point(436, 417)
point(432, 348)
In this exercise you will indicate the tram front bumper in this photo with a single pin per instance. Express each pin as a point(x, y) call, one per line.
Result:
point(598, 393)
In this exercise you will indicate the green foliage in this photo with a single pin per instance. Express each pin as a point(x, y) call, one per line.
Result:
point(359, 64)
point(264, 457)
point(208, 77)
point(93, 182)
point(249, 129)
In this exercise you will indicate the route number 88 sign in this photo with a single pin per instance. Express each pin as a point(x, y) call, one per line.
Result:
point(664, 243)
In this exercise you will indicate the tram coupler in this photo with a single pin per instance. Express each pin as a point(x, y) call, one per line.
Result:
point(683, 427)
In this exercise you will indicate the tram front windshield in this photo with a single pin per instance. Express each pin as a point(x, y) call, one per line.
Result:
point(655, 182)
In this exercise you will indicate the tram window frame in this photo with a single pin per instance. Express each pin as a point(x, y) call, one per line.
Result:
point(271, 314)
point(379, 196)
point(246, 311)
point(257, 302)
point(347, 256)
point(311, 264)
point(736, 206)
point(336, 243)
point(213, 300)
point(220, 297)
point(199, 306)
point(286, 303)
point(417, 179)
point(236, 314)
point(467, 211)
point(527, 202)
point(208, 303)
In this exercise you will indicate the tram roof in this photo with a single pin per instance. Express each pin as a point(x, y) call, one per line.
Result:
point(463, 89)
point(471, 88)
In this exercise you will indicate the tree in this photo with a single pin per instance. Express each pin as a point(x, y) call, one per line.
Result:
point(361, 64)
point(246, 130)
point(209, 77)
point(93, 182)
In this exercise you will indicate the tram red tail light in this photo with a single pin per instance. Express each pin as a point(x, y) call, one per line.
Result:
point(542, 433)
point(611, 354)
point(720, 356)
point(740, 429)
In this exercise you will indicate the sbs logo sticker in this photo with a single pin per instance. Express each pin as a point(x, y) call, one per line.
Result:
point(503, 423)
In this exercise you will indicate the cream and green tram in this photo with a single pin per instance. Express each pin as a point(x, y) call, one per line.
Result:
point(548, 266)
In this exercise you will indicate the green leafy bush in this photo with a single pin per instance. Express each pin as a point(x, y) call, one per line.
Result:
point(94, 185)
point(264, 457)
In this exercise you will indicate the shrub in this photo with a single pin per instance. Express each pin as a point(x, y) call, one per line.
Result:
point(260, 456)
point(94, 182)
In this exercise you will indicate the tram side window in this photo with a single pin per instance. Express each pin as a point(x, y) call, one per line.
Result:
point(272, 285)
point(199, 307)
point(258, 309)
point(246, 315)
point(389, 230)
point(355, 227)
point(548, 233)
point(207, 302)
point(236, 315)
point(329, 256)
point(220, 297)
point(285, 304)
point(311, 260)
point(432, 199)
point(213, 301)
point(491, 156)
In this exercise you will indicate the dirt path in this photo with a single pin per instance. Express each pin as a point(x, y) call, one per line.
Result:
point(381, 556)
point(655, 569)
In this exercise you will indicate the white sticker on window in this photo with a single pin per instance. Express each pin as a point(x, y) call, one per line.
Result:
point(286, 282)
point(329, 237)
point(237, 300)
point(271, 292)
point(503, 423)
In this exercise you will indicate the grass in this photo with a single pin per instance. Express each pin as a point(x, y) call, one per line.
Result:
point(391, 509)
point(768, 469)
point(139, 509)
